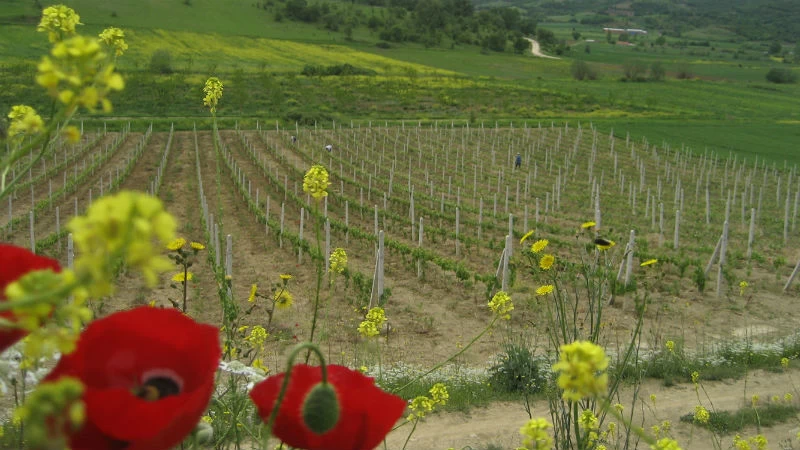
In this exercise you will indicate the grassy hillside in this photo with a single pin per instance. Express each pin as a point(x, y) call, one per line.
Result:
point(726, 102)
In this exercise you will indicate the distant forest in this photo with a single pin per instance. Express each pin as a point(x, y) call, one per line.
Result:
point(750, 19)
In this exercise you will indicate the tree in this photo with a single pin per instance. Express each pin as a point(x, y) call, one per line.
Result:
point(775, 48)
point(661, 40)
point(521, 44)
point(657, 71)
point(781, 76)
point(634, 71)
point(576, 35)
point(161, 62)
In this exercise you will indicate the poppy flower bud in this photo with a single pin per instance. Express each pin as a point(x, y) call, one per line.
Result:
point(321, 408)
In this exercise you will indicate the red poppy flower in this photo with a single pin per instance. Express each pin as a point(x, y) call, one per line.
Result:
point(148, 375)
point(366, 413)
point(14, 263)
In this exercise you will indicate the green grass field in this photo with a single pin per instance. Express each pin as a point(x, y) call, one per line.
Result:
point(728, 106)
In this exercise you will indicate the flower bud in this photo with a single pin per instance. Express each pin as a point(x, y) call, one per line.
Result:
point(321, 408)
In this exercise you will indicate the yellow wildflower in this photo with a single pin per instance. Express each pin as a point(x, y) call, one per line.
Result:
point(439, 394)
point(539, 245)
point(75, 74)
point(420, 406)
point(526, 236)
point(695, 376)
point(182, 277)
point(207, 419)
point(213, 92)
point(787, 397)
point(588, 225)
point(252, 297)
point(286, 277)
point(649, 262)
point(754, 400)
point(604, 244)
point(338, 260)
point(785, 362)
point(71, 134)
point(588, 420)
point(501, 305)
point(363, 369)
point(371, 325)
point(535, 436)
point(176, 244)
point(283, 299)
point(24, 121)
point(670, 346)
point(258, 335)
point(315, 182)
point(58, 21)
point(197, 246)
point(258, 364)
point(701, 414)
point(653, 399)
point(152, 304)
point(546, 262)
point(544, 290)
point(666, 444)
point(581, 368)
point(743, 287)
point(114, 38)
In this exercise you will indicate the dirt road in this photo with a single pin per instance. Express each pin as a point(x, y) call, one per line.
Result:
point(536, 50)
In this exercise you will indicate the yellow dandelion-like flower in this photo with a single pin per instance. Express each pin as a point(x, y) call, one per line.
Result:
point(58, 21)
point(286, 277)
point(539, 245)
point(604, 244)
point(581, 370)
point(338, 260)
point(114, 38)
point(283, 299)
point(666, 444)
point(535, 436)
point(649, 262)
point(501, 305)
point(182, 277)
point(213, 92)
point(315, 182)
point(177, 244)
point(197, 246)
point(526, 236)
point(588, 225)
point(701, 414)
point(252, 297)
point(544, 290)
point(547, 262)
point(24, 122)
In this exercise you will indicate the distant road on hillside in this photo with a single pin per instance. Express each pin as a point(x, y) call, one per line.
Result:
point(536, 50)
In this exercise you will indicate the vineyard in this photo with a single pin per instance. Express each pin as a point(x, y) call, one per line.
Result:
point(439, 202)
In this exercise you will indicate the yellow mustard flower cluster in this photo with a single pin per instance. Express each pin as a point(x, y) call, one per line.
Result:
point(213, 92)
point(501, 305)
point(75, 74)
point(666, 444)
point(535, 436)
point(115, 39)
point(252, 296)
point(124, 224)
point(670, 346)
point(52, 406)
point(422, 405)
point(338, 260)
point(581, 368)
point(315, 182)
point(649, 262)
point(539, 245)
point(58, 21)
point(371, 325)
point(24, 122)
point(257, 337)
point(743, 287)
point(71, 134)
point(701, 415)
point(758, 442)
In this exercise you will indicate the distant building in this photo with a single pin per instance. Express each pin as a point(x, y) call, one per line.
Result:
point(613, 30)
point(635, 31)
point(624, 30)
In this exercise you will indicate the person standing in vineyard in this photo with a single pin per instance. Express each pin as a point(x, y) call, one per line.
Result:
point(518, 161)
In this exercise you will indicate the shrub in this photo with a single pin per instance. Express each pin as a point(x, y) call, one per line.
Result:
point(518, 371)
point(781, 76)
point(657, 71)
point(634, 71)
point(581, 70)
point(161, 62)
